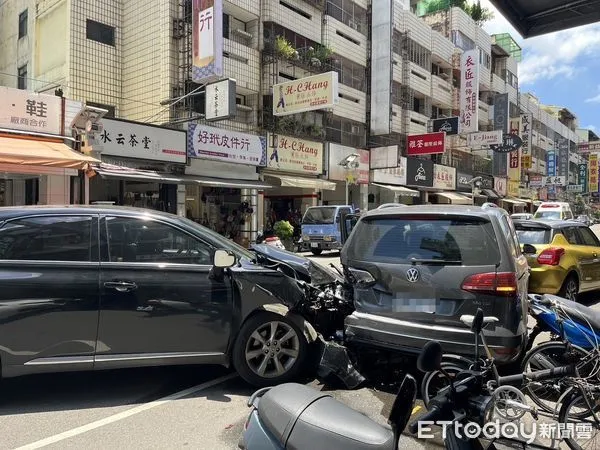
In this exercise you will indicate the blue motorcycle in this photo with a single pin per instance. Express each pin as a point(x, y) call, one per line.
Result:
point(574, 339)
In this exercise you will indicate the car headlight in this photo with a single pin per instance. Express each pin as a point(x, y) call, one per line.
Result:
point(328, 238)
point(305, 237)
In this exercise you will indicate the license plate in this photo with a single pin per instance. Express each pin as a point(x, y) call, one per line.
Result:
point(421, 305)
point(314, 245)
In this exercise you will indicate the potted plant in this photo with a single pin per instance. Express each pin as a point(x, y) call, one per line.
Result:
point(284, 231)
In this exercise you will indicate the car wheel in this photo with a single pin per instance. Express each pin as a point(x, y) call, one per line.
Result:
point(570, 288)
point(270, 349)
point(317, 251)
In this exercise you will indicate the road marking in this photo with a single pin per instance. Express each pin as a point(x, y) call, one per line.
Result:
point(124, 414)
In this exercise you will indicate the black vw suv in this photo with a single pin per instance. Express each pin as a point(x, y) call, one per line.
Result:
point(417, 269)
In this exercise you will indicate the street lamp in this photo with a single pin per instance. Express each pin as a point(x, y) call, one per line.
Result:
point(349, 162)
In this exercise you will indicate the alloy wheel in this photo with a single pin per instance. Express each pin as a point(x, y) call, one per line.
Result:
point(272, 349)
point(571, 290)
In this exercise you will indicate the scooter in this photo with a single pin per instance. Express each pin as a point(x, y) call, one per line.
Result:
point(273, 241)
point(295, 416)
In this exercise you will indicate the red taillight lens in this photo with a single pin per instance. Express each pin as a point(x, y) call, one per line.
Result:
point(551, 256)
point(500, 283)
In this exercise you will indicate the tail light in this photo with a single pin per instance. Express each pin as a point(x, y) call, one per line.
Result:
point(272, 239)
point(551, 256)
point(495, 283)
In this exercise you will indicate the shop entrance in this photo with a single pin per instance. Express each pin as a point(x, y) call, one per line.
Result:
point(139, 194)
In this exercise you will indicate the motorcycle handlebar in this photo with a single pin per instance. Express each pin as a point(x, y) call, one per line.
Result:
point(433, 414)
point(551, 373)
point(546, 374)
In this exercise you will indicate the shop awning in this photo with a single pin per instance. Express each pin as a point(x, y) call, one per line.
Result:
point(304, 183)
point(513, 202)
point(150, 176)
point(490, 193)
point(222, 182)
point(400, 190)
point(470, 195)
point(45, 153)
point(455, 199)
point(125, 173)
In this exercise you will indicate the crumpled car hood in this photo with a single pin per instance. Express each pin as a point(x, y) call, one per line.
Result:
point(307, 270)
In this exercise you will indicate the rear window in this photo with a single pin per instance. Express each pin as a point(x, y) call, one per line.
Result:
point(472, 243)
point(533, 236)
point(552, 215)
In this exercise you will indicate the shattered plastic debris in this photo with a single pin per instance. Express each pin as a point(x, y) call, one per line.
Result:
point(336, 362)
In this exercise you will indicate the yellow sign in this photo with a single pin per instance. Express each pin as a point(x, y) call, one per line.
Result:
point(593, 172)
point(513, 188)
point(295, 155)
point(526, 161)
point(306, 94)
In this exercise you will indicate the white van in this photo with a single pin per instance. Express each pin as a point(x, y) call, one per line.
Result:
point(554, 211)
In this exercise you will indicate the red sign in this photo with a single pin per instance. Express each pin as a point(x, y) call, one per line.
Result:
point(426, 144)
point(514, 159)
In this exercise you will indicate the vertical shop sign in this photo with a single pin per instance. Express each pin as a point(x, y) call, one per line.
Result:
point(593, 171)
point(207, 40)
point(469, 95)
point(582, 176)
point(500, 123)
point(525, 134)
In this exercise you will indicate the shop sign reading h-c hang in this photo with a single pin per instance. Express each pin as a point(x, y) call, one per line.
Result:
point(510, 143)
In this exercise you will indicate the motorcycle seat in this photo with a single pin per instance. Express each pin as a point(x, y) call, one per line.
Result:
point(300, 417)
point(580, 313)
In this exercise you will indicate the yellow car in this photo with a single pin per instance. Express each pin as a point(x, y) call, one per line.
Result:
point(562, 255)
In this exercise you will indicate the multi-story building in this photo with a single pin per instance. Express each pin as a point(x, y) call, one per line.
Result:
point(397, 65)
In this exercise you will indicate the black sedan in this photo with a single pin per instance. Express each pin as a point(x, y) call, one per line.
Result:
point(99, 287)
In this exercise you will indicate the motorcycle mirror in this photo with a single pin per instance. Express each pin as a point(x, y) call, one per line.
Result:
point(403, 405)
point(477, 321)
point(430, 358)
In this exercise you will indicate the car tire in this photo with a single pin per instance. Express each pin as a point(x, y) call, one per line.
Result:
point(261, 358)
point(317, 251)
point(570, 288)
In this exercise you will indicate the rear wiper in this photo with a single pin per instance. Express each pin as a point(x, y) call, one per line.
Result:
point(434, 261)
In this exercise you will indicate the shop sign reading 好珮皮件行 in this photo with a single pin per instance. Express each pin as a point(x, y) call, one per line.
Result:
point(224, 145)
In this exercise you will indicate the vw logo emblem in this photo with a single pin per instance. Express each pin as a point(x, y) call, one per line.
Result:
point(412, 275)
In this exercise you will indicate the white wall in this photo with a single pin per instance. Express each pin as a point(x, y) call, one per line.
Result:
point(15, 52)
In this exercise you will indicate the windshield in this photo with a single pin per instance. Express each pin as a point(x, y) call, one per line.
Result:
point(465, 241)
point(553, 215)
point(319, 215)
point(227, 244)
point(533, 236)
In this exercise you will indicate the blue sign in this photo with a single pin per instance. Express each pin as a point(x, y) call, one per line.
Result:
point(551, 163)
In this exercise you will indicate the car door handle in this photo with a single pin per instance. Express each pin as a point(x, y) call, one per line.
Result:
point(121, 286)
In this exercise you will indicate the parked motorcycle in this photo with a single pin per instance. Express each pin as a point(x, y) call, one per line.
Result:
point(295, 416)
point(273, 241)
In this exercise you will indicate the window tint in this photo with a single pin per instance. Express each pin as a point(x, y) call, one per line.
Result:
point(533, 236)
point(472, 243)
point(138, 240)
point(100, 32)
point(49, 238)
point(587, 237)
point(506, 231)
point(570, 235)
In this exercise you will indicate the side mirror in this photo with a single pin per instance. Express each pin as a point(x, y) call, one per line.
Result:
point(529, 249)
point(223, 259)
point(347, 224)
point(430, 358)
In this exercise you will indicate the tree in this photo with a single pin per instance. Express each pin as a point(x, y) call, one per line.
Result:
point(478, 13)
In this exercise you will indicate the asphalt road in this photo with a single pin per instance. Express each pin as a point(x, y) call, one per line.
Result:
point(162, 408)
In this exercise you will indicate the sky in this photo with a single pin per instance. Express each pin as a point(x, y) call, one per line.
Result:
point(559, 68)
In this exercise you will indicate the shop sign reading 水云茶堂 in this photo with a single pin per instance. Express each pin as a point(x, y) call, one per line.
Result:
point(136, 140)
point(294, 155)
point(227, 146)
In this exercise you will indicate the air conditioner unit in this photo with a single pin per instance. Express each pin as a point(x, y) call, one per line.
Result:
point(242, 33)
